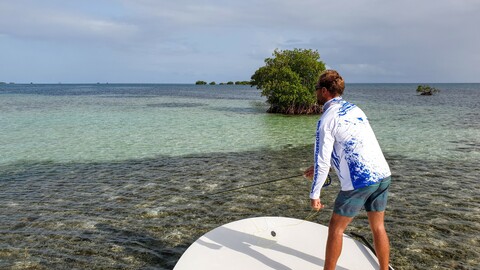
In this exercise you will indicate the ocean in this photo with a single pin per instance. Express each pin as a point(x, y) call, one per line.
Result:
point(118, 176)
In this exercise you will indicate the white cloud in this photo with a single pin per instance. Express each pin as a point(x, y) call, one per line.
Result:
point(396, 40)
point(58, 24)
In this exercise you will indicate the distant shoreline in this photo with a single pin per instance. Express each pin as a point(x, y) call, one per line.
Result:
point(207, 85)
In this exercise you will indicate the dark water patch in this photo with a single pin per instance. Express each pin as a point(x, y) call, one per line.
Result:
point(175, 105)
point(125, 96)
point(136, 90)
point(467, 149)
point(256, 107)
point(237, 110)
point(465, 146)
point(141, 214)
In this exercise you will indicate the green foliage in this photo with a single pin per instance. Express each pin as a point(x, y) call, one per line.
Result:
point(288, 81)
point(242, 83)
point(426, 90)
point(222, 83)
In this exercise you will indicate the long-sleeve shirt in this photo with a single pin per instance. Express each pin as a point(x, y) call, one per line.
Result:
point(345, 140)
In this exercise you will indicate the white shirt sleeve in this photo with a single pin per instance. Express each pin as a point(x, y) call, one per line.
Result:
point(323, 154)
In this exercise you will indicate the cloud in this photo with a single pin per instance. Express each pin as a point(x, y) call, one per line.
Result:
point(369, 40)
point(37, 22)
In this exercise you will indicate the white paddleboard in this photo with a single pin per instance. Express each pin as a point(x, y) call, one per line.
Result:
point(271, 243)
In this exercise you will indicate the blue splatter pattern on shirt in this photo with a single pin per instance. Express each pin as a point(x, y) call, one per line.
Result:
point(360, 174)
point(346, 106)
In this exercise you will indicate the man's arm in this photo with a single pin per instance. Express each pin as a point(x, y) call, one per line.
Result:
point(316, 204)
point(324, 142)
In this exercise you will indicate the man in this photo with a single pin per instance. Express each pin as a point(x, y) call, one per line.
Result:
point(345, 140)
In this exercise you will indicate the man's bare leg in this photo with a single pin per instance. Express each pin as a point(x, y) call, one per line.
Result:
point(380, 238)
point(337, 226)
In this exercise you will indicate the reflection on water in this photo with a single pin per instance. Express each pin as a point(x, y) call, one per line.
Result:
point(145, 213)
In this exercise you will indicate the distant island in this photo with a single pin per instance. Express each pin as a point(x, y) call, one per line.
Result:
point(222, 83)
point(426, 90)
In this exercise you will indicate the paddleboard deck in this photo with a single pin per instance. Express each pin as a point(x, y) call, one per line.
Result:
point(271, 243)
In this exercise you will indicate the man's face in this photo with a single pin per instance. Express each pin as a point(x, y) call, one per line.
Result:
point(321, 92)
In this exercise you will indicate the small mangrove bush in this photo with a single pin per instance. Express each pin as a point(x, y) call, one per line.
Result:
point(288, 81)
point(426, 90)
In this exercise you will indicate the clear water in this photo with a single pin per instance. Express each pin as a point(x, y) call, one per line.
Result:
point(125, 122)
point(118, 176)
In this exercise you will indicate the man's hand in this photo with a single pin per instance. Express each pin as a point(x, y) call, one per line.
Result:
point(308, 173)
point(316, 204)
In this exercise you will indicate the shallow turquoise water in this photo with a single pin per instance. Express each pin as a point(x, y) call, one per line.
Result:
point(106, 128)
point(114, 176)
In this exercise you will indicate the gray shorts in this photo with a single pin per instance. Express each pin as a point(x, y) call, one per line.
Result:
point(372, 198)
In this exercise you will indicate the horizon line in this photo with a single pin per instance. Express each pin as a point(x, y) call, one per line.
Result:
point(217, 84)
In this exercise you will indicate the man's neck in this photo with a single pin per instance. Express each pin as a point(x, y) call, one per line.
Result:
point(327, 104)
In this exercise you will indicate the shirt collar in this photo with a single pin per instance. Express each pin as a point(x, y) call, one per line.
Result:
point(329, 103)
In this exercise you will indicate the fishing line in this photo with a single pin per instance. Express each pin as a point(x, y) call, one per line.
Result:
point(310, 215)
point(253, 185)
point(327, 183)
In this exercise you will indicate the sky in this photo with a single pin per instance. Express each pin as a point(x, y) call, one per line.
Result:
point(182, 41)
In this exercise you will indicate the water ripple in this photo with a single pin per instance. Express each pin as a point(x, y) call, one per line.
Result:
point(145, 213)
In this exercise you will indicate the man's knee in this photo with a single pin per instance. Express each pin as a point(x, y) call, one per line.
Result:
point(376, 220)
point(338, 224)
point(377, 230)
